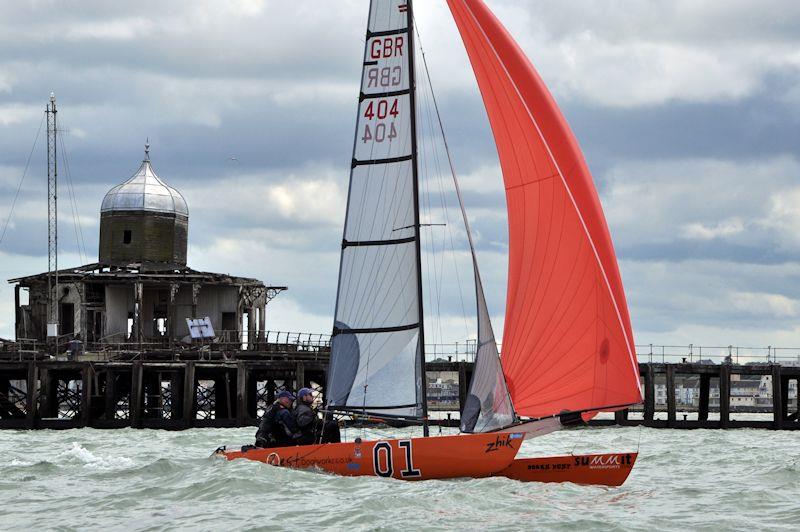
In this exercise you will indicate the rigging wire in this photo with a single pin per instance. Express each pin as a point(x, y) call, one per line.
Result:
point(439, 174)
point(21, 181)
point(577, 441)
point(430, 262)
point(453, 174)
point(76, 221)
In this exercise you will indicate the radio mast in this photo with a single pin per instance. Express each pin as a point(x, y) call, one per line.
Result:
point(52, 219)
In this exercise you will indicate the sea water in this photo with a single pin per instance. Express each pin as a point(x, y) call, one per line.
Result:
point(157, 480)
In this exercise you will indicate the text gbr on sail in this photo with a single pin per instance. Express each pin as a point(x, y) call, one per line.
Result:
point(385, 77)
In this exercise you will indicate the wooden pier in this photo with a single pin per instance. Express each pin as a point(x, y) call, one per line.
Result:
point(230, 392)
point(784, 412)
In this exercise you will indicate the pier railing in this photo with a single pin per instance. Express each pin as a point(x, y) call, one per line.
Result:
point(121, 346)
point(675, 354)
point(718, 354)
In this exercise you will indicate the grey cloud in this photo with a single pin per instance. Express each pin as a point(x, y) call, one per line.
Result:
point(274, 85)
point(682, 21)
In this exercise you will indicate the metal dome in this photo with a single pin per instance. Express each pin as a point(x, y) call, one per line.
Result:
point(145, 191)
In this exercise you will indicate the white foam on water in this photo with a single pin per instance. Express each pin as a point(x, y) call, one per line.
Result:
point(78, 453)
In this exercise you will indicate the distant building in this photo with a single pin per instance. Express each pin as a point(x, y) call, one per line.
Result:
point(687, 391)
point(443, 390)
point(745, 392)
point(141, 289)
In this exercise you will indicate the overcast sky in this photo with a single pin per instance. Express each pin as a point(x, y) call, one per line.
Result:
point(688, 113)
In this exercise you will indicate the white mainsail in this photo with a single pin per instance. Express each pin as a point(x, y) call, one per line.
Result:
point(376, 351)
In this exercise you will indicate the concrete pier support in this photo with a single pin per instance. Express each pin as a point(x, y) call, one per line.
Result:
point(241, 394)
point(671, 396)
point(135, 405)
point(724, 396)
point(32, 399)
point(49, 406)
point(86, 395)
point(649, 394)
point(189, 394)
point(778, 402)
point(222, 386)
point(705, 397)
point(110, 411)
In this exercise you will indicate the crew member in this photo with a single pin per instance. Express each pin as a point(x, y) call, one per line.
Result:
point(306, 416)
point(278, 427)
point(314, 429)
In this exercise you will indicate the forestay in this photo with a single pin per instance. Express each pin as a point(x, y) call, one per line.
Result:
point(376, 347)
point(488, 405)
point(567, 343)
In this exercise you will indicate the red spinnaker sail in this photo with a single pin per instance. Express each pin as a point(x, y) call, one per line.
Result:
point(568, 342)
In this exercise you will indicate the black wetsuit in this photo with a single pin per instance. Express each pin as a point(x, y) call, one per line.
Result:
point(307, 422)
point(278, 428)
point(314, 429)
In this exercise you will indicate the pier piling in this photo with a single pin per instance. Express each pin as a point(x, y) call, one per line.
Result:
point(189, 394)
point(136, 395)
point(724, 396)
point(778, 401)
point(32, 395)
point(86, 395)
point(671, 396)
point(649, 393)
point(705, 397)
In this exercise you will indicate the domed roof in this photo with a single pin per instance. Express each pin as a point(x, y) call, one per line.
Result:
point(145, 191)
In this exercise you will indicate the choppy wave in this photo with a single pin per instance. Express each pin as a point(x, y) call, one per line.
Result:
point(153, 480)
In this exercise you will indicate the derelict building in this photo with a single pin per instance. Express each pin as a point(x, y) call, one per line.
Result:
point(141, 290)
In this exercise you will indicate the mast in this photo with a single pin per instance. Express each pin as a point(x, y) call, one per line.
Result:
point(52, 220)
point(417, 242)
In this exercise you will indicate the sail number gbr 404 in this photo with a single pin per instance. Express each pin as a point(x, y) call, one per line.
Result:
point(385, 79)
point(379, 113)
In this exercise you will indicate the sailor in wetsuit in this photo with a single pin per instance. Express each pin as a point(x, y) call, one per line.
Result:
point(278, 427)
point(313, 429)
point(306, 416)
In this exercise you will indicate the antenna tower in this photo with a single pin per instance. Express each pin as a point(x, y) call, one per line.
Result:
point(52, 219)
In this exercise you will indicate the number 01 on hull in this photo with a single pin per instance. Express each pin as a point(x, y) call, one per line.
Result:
point(465, 455)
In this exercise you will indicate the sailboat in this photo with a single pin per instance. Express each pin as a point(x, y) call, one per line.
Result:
point(568, 350)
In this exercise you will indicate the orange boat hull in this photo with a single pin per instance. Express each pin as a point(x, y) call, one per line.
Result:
point(597, 469)
point(471, 455)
